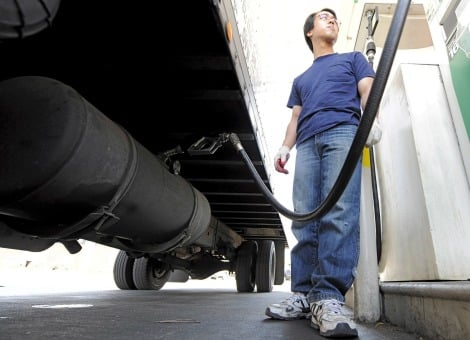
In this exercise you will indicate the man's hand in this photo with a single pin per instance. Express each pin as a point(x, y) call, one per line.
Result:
point(375, 134)
point(281, 159)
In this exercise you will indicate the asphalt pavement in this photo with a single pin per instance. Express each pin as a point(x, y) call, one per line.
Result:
point(72, 306)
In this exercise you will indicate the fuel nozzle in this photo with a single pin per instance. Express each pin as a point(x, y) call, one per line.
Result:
point(370, 49)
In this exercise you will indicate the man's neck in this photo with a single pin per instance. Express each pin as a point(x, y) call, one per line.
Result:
point(321, 48)
point(319, 52)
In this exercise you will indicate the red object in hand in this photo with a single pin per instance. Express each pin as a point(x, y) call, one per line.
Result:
point(280, 166)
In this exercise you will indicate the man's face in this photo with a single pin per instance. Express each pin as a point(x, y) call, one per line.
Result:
point(326, 26)
point(326, 17)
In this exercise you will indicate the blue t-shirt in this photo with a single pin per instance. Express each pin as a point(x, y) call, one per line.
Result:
point(328, 94)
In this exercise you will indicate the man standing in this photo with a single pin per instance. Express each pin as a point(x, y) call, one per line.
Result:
point(327, 102)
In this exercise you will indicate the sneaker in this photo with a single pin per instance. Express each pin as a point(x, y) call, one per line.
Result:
point(332, 319)
point(293, 308)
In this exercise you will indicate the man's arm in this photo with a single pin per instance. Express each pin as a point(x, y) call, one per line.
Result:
point(291, 131)
point(363, 87)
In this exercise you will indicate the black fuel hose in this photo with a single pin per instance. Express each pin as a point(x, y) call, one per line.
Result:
point(365, 125)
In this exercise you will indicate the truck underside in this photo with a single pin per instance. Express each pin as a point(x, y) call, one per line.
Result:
point(113, 125)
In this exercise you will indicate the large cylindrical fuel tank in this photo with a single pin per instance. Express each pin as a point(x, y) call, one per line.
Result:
point(68, 171)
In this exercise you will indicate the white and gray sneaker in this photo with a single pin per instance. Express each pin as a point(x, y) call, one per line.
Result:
point(332, 319)
point(294, 307)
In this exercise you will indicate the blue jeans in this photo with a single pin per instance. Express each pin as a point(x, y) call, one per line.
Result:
point(324, 260)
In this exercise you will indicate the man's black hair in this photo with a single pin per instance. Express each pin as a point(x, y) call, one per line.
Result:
point(309, 25)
